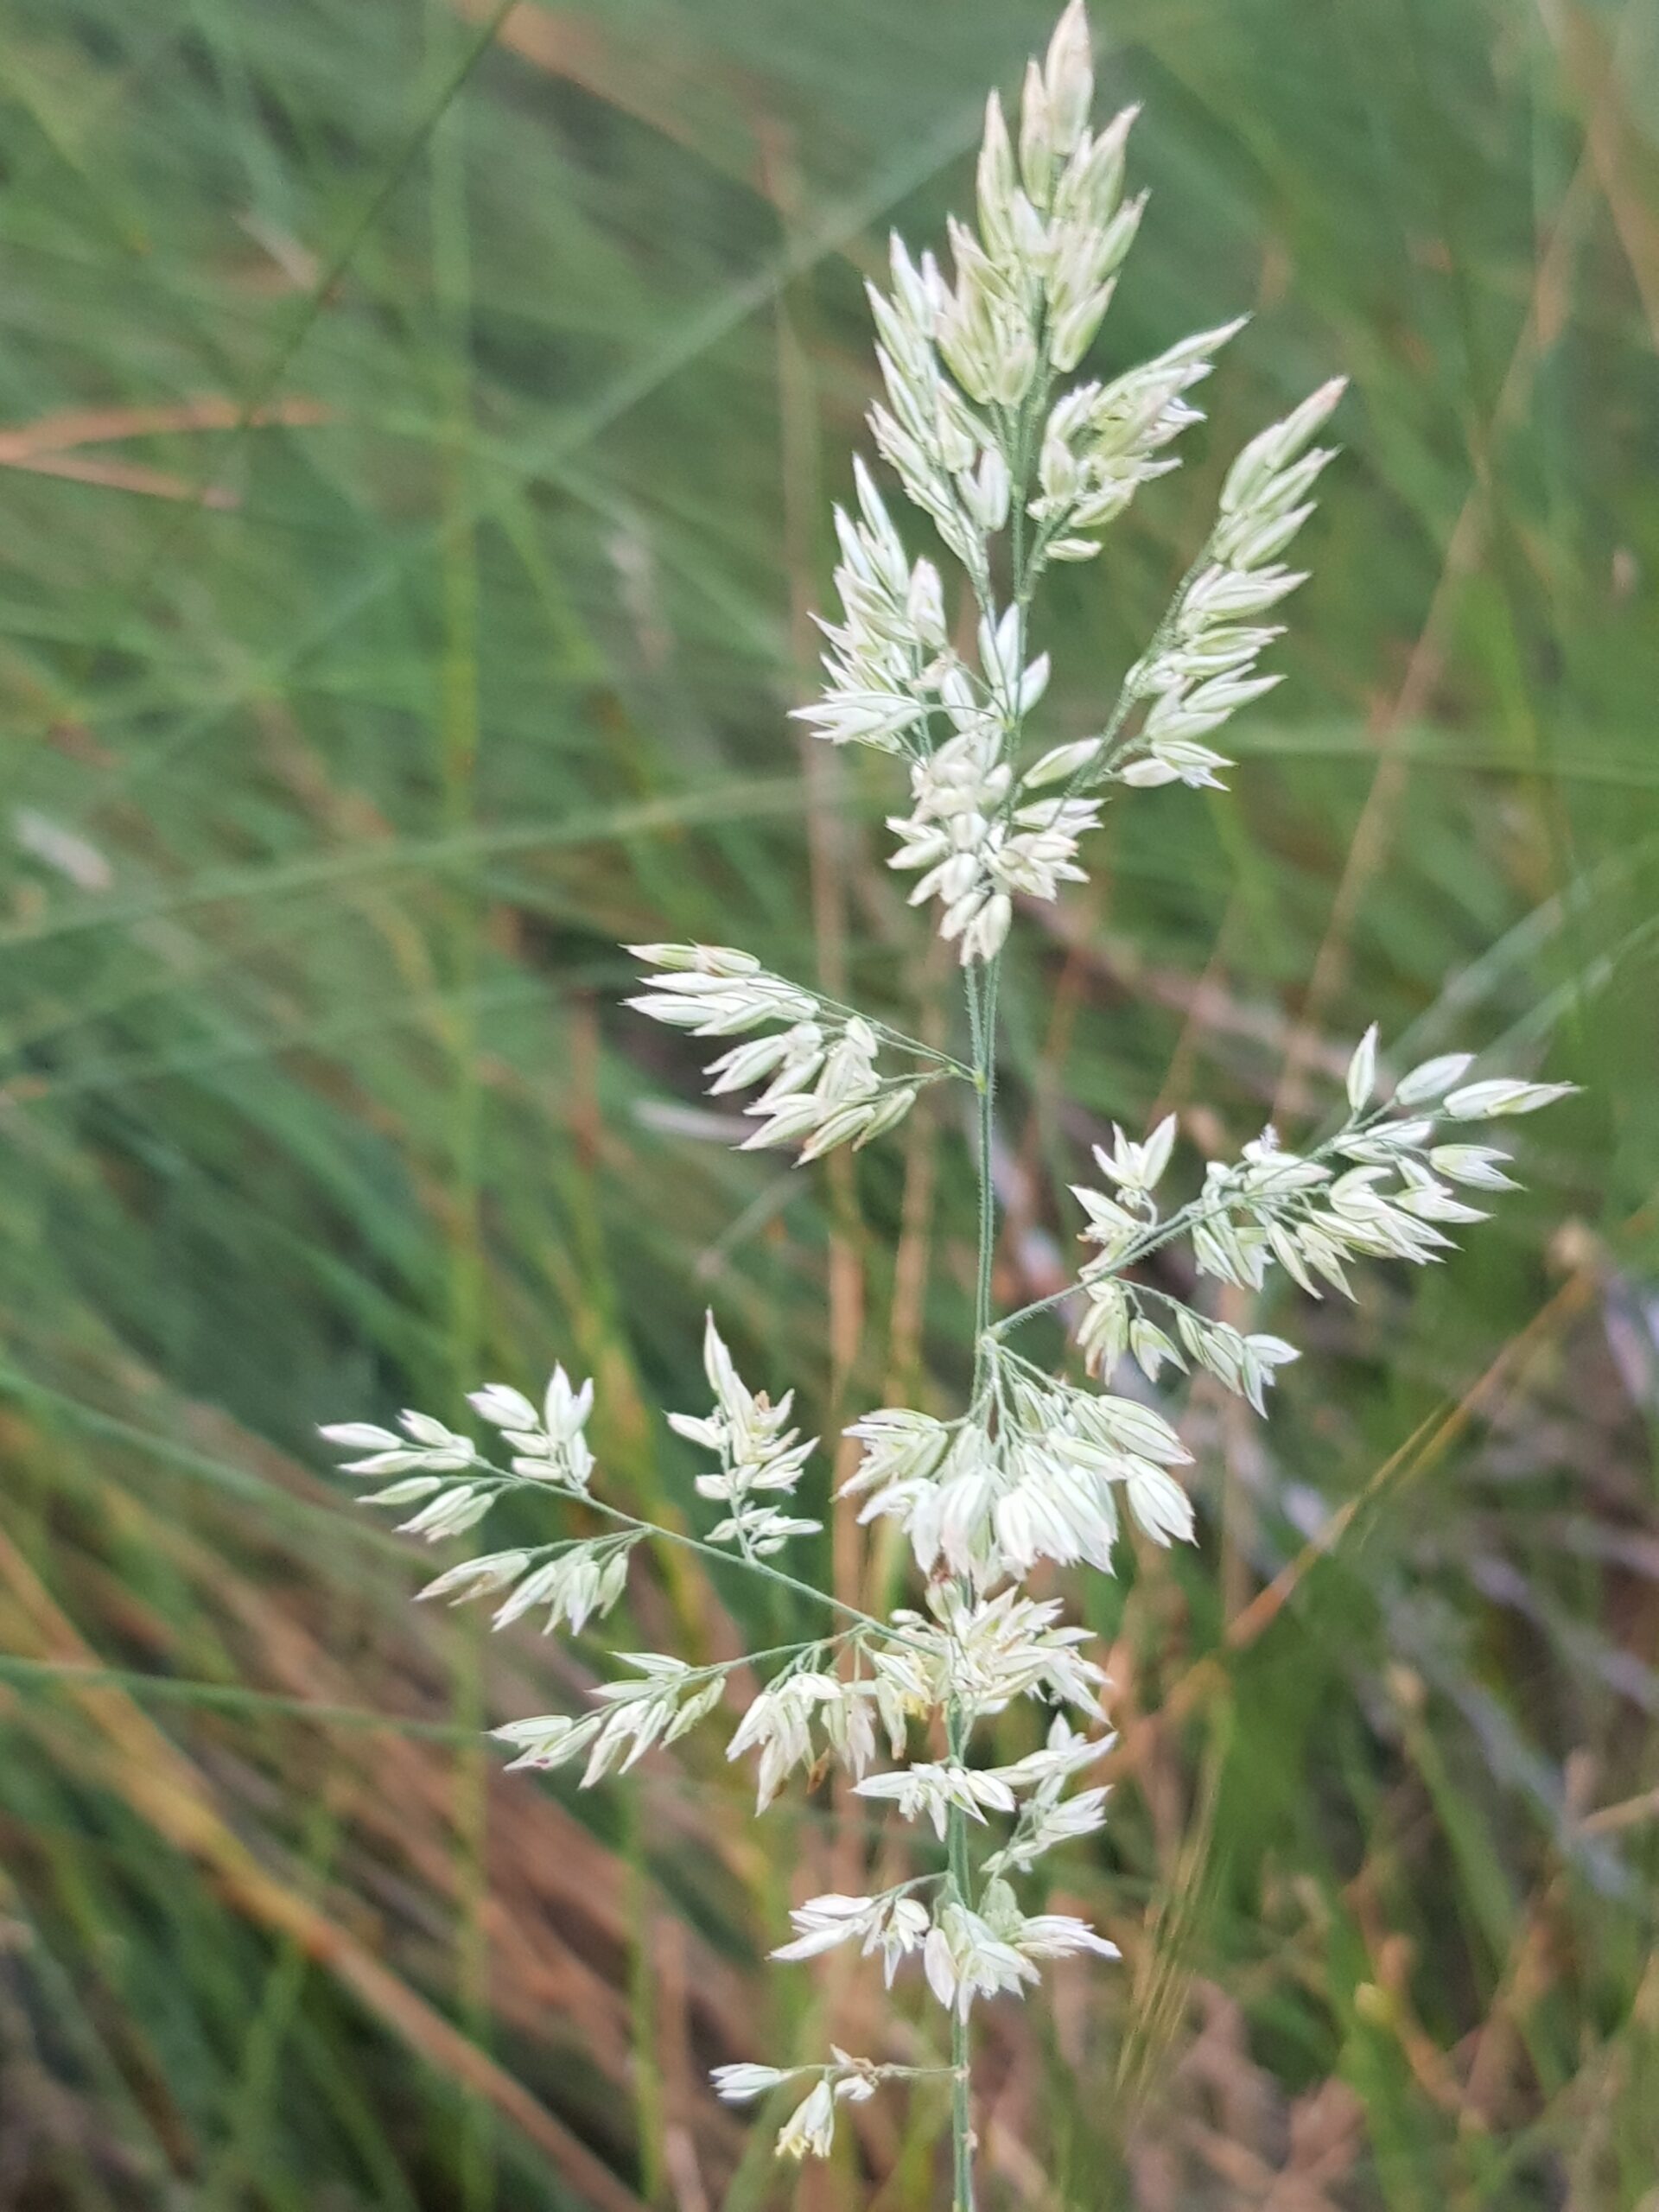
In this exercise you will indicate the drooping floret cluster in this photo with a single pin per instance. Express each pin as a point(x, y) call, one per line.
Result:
point(1013, 468)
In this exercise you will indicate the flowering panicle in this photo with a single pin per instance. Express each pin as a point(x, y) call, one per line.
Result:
point(779, 1721)
point(981, 1653)
point(986, 446)
point(445, 1474)
point(1014, 467)
point(759, 1457)
point(1034, 1474)
point(810, 2130)
point(889, 660)
point(1310, 1214)
point(548, 1444)
point(982, 1954)
point(1101, 442)
point(823, 1085)
point(668, 1699)
point(1201, 668)
point(979, 836)
point(576, 1582)
point(894, 1924)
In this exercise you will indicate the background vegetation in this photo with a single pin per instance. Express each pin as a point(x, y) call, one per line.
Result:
point(418, 426)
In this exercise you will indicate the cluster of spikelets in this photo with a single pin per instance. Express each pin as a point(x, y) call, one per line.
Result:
point(1013, 473)
point(983, 447)
point(819, 1064)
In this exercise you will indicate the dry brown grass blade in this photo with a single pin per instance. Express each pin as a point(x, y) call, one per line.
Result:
point(1223, 2118)
point(124, 476)
point(47, 445)
point(168, 1791)
point(69, 426)
point(557, 1911)
point(1629, 1813)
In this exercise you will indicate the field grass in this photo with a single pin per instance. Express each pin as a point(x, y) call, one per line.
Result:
point(418, 422)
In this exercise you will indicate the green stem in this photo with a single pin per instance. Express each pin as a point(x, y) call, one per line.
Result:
point(985, 1081)
point(961, 1882)
point(961, 2133)
point(981, 987)
point(982, 1017)
point(981, 1020)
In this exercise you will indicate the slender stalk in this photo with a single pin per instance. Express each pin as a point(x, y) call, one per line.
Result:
point(960, 1883)
point(736, 1559)
point(981, 988)
point(981, 1014)
point(748, 1562)
point(961, 2133)
point(985, 1077)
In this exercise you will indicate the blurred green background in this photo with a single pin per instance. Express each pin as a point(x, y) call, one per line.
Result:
point(418, 426)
